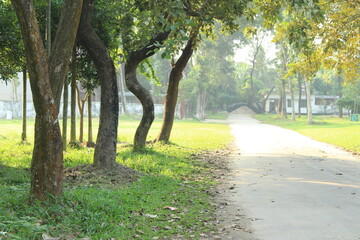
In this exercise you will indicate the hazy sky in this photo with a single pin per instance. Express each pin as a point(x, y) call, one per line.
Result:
point(242, 54)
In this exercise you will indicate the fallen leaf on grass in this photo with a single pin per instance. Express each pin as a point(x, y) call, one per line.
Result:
point(47, 237)
point(171, 208)
point(151, 215)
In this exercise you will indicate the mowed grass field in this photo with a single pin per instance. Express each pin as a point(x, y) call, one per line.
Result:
point(330, 129)
point(171, 198)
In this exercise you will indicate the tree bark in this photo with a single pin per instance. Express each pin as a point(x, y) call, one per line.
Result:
point(73, 98)
point(47, 159)
point(65, 114)
point(173, 90)
point(133, 61)
point(24, 108)
point(105, 150)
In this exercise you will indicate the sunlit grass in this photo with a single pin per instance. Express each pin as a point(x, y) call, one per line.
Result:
point(330, 129)
point(172, 176)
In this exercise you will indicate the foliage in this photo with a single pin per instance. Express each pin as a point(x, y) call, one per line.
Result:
point(11, 46)
point(351, 97)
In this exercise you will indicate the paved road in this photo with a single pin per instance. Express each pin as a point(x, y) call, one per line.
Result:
point(284, 186)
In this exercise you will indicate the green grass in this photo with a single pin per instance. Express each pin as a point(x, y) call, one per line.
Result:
point(172, 176)
point(330, 129)
point(219, 115)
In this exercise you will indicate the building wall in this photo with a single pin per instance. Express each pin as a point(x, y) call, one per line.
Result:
point(11, 101)
point(326, 105)
point(13, 109)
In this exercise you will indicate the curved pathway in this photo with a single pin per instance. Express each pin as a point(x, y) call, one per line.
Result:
point(285, 186)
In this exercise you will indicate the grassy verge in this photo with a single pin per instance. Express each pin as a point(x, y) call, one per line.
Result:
point(170, 199)
point(330, 129)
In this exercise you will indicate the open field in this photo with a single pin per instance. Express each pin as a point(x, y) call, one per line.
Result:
point(330, 129)
point(169, 198)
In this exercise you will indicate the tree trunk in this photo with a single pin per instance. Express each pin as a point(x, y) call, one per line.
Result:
point(47, 159)
point(266, 99)
point(23, 135)
point(81, 110)
point(105, 150)
point(48, 28)
point(81, 106)
point(201, 104)
point(65, 114)
point(300, 93)
point(308, 101)
point(341, 112)
point(173, 90)
point(284, 100)
point(73, 98)
point(90, 142)
point(122, 89)
point(133, 61)
point(291, 86)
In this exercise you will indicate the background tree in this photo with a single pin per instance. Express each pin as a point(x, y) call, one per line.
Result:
point(105, 150)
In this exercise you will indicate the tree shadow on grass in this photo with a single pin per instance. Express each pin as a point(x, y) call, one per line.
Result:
point(14, 176)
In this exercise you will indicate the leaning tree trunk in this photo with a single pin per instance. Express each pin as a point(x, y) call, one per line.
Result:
point(173, 90)
point(47, 76)
point(24, 108)
point(105, 150)
point(133, 61)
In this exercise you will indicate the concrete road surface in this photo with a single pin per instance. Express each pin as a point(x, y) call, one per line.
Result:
point(285, 186)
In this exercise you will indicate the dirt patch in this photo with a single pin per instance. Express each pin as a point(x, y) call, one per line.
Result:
point(243, 110)
point(230, 223)
point(87, 175)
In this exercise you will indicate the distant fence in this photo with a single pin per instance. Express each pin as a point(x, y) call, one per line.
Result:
point(13, 109)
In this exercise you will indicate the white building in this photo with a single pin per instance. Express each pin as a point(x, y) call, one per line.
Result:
point(11, 101)
point(321, 104)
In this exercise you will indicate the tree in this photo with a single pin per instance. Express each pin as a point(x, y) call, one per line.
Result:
point(73, 87)
point(133, 60)
point(105, 150)
point(47, 76)
point(65, 114)
point(173, 88)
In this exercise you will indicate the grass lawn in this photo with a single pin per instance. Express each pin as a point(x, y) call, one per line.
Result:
point(169, 200)
point(329, 129)
point(219, 115)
